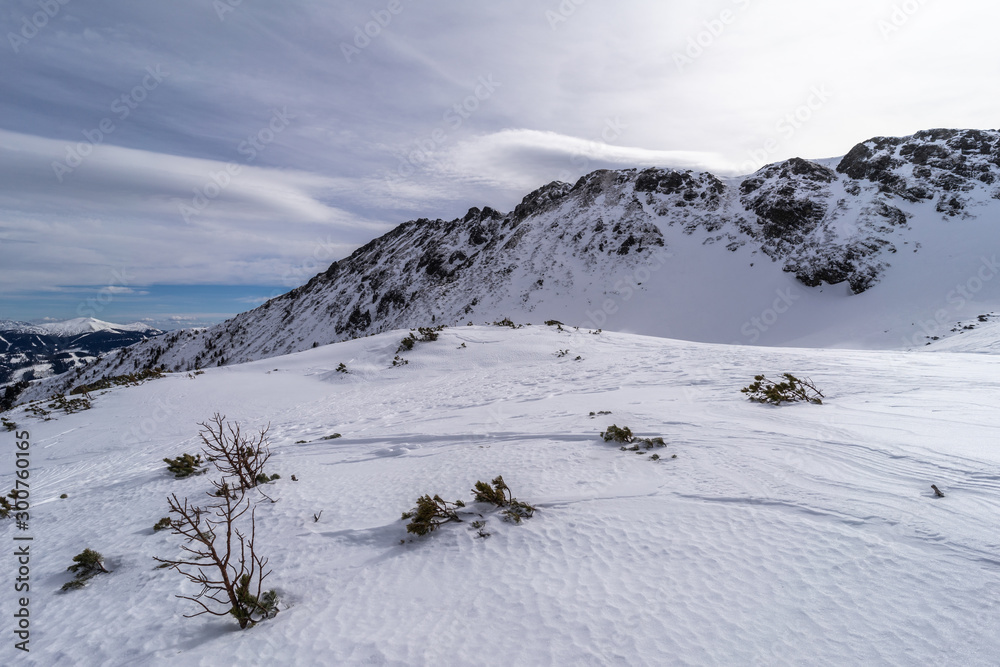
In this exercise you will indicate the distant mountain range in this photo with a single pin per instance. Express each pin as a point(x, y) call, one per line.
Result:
point(33, 351)
point(887, 247)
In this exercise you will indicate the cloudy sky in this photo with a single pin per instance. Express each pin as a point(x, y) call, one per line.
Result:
point(182, 161)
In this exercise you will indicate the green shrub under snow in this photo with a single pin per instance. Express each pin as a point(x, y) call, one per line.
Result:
point(791, 390)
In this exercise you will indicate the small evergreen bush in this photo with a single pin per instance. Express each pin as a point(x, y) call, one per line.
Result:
point(121, 380)
point(251, 608)
point(499, 494)
point(791, 390)
point(162, 524)
point(185, 465)
point(406, 344)
point(615, 434)
point(624, 436)
point(86, 565)
point(430, 513)
point(429, 334)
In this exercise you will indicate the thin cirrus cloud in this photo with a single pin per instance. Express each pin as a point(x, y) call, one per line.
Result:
point(138, 212)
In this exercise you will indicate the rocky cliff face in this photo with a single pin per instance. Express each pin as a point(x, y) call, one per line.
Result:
point(823, 222)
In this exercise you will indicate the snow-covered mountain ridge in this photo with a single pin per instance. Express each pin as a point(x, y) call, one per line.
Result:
point(884, 248)
point(33, 351)
point(74, 327)
point(82, 325)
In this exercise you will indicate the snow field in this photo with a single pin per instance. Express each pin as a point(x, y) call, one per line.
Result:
point(792, 535)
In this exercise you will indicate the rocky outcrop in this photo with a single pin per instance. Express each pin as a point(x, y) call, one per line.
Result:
point(938, 165)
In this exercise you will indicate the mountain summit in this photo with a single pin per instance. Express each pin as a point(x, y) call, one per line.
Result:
point(886, 247)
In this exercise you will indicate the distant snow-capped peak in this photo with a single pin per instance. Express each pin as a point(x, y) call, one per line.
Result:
point(74, 327)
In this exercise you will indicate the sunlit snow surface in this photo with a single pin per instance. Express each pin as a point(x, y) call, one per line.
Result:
point(794, 535)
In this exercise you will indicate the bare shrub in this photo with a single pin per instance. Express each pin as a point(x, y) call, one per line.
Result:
point(222, 559)
point(234, 453)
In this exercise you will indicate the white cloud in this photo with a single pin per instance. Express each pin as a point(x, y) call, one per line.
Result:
point(119, 214)
point(118, 289)
point(524, 159)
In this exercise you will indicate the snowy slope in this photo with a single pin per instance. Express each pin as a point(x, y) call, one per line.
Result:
point(15, 326)
point(883, 249)
point(794, 535)
point(82, 325)
point(981, 335)
point(30, 352)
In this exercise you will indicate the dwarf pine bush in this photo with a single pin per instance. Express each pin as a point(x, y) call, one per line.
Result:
point(86, 565)
point(130, 379)
point(616, 434)
point(430, 513)
point(429, 334)
point(185, 465)
point(253, 608)
point(624, 436)
point(406, 344)
point(499, 494)
point(791, 390)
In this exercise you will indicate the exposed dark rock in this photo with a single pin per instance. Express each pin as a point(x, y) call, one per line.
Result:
point(540, 199)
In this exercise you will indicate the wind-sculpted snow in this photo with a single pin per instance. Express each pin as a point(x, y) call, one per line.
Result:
point(662, 252)
point(792, 535)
